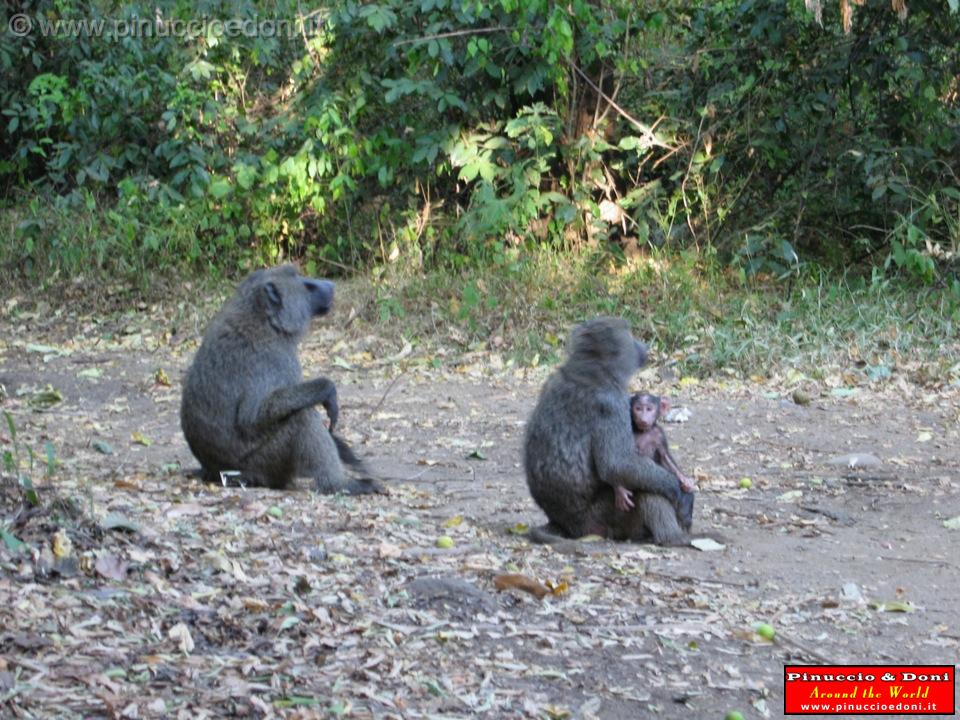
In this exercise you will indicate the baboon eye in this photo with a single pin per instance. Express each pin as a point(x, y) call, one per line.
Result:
point(273, 295)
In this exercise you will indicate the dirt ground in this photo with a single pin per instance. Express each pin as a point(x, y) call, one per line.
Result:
point(178, 599)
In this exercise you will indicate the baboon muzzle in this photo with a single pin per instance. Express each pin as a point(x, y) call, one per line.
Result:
point(321, 295)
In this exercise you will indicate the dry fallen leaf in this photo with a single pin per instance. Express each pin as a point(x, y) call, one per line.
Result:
point(180, 634)
point(111, 567)
point(558, 588)
point(61, 544)
point(389, 550)
point(45, 398)
point(898, 606)
point(141, 439)
point(217, 561)
point(255, 604)
point(184, 509)
point(516, 581)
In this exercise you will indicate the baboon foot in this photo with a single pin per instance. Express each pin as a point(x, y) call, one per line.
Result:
point(366, 486)
point(350, 486)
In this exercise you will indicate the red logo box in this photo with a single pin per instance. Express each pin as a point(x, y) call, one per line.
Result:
point(869, 690)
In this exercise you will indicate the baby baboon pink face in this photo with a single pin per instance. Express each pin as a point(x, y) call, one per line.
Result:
point(645, 410)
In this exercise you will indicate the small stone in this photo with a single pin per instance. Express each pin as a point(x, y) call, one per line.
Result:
point(855, 460)
point(850, 592)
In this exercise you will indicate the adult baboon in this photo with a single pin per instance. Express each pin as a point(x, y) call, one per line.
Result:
point(579, 446)
point(245, 405)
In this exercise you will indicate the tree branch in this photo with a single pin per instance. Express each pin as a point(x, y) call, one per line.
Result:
point(455, 33)
point(645, 130)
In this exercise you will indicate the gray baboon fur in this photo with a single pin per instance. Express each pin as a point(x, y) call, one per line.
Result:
point(579, 445)
point(245, 405)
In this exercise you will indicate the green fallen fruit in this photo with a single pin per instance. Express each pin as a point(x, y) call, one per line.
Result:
point(444, 542)
point(746, 483)
point(766, 631)
point(733, 715)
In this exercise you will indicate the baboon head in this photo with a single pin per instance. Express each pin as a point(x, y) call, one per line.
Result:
point(646, 409)
point(604, 349)
point(285, 299)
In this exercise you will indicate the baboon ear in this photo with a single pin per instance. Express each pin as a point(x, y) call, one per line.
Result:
point(273, 295)
point(664, 405)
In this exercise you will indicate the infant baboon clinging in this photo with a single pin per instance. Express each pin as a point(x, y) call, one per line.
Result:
point(650, 441)
point(245, 405)
point(579, 446)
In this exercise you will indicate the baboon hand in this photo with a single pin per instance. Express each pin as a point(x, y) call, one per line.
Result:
point(332, 408)
point(323, 391)
point(623, 499)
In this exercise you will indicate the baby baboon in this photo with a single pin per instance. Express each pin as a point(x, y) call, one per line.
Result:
point(245, 405)
point(650, 441)
point(579, 446)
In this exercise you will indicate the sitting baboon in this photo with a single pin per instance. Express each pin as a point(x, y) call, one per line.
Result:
point(579, 446)
point(245, 406)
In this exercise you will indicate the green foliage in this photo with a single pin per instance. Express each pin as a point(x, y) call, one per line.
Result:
point(474, 104)
point(74, 234)
point(807, 138)
point(764, 254)
point(928, 232)
point(22, 469)
point(133, 135)
point(441, 133)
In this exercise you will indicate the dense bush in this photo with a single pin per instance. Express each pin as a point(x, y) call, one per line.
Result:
point(449, 131)
point(836, 145)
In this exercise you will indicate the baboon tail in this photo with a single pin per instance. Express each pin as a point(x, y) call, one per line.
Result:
point(554, 536)
point(544, 535)
point(347, 456)
point(368, 481)
point(548, 534)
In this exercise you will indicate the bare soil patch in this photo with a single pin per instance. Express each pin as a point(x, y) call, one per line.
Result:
point(179, 599)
